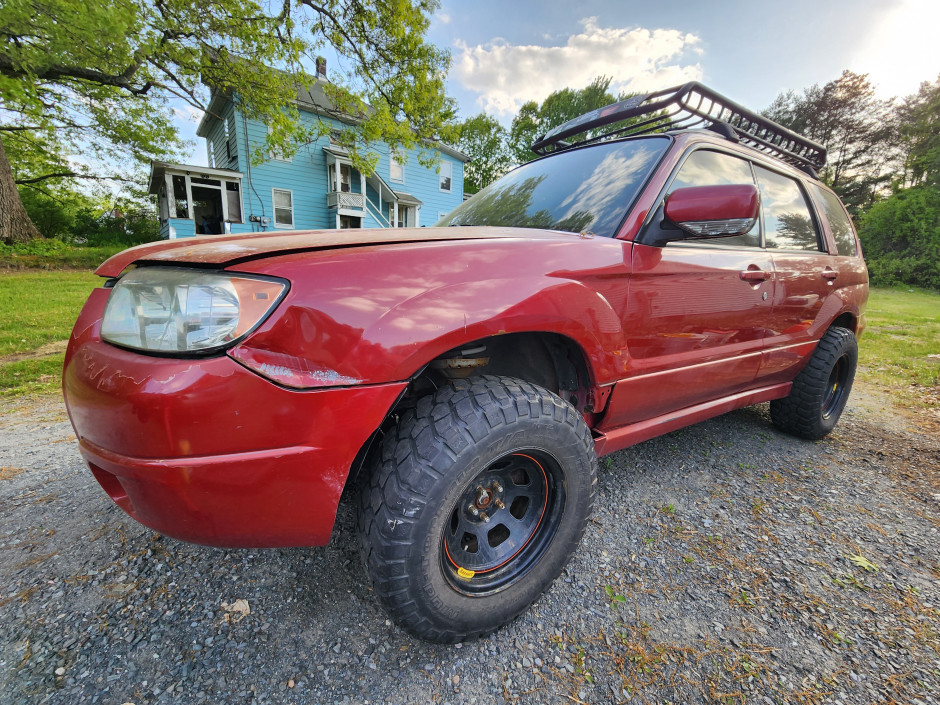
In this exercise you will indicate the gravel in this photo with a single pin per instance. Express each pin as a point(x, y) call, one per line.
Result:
point(725, 563)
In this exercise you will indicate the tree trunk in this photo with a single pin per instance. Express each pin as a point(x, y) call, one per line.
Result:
point(15, 225)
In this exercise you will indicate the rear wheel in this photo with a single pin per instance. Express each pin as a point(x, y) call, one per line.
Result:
point(821, 390)
point(479, 498)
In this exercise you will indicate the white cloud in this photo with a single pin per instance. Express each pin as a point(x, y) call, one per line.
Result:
point(507, 75)
point(442, 17)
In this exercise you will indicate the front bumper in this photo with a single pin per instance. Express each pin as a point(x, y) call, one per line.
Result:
point(204, 450)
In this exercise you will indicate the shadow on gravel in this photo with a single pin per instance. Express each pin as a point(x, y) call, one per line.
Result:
point(725, 563)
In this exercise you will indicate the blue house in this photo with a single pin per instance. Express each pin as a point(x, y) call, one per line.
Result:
point(317, 188)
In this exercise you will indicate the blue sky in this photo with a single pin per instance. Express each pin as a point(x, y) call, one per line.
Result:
point(508, 51)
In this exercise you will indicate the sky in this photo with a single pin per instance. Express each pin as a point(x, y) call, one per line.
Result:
point(506, 52)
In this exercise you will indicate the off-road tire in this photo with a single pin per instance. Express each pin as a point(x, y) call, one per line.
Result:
point(821, 389)
point(416, 492)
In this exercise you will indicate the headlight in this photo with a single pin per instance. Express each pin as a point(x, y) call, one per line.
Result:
point(166, 310)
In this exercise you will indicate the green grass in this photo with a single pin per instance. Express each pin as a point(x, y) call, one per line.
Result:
point(52, 254)
point(36, 309)
point(903, 329)
point(40, 307)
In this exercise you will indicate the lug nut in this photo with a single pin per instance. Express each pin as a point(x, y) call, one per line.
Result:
point(497, 487)
point(499, 503)
point(473, 510)
point(484, 517)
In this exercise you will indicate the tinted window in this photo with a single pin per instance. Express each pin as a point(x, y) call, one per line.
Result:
point(707, 168)
point(838, 220)
point(788, 224)
point(586, 189)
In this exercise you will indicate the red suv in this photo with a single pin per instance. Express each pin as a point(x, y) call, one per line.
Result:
point(671, 258)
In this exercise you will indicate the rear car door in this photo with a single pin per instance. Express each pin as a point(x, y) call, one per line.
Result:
point(804, 275)
point(697, 311)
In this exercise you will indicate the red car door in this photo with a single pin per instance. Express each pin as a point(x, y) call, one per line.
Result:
point(697, 312)
point(804, 275)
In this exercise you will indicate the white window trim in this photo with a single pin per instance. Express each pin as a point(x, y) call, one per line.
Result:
point(274, 223)
point(440, 176)
point(391, 159)
point(275, 157)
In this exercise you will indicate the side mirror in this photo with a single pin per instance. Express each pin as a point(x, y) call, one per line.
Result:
point(713, 211)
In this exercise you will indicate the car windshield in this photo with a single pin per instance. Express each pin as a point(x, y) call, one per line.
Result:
point(584, 190)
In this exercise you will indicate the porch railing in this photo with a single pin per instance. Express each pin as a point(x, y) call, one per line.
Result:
point(343, 199)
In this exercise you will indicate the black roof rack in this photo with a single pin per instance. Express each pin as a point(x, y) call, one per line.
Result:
point(683, 107)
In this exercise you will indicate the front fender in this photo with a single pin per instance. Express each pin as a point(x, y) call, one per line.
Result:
point(426, 326)
point(377, 315)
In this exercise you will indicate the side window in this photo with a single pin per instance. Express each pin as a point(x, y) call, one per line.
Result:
point(707, 168)
point(396, 170)
point(788, 224)
point(839, 221)
point(283, 208)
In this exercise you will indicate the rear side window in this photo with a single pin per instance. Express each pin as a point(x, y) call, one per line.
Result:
point(788, 224)
point(707, 168)
point(839, 222)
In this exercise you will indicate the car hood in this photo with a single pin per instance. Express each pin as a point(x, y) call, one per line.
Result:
point(215, 251)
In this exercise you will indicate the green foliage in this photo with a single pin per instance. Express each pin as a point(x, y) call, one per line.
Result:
point(920, 134)
point(901, 238)
point(856, 129)
point(79, 219)
point(483, 139)
point(558, 108)
point(103, 77)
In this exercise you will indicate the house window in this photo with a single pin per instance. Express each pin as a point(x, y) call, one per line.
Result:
point(230, 146)
point(345, 174)
point(180, 197)
point(276, 154)
point(446, 173)
point(283, 208)
point(396, 170)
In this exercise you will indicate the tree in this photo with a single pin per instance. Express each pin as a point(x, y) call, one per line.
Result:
point(102, 77)
point(483, 139)
point(853, 125)
point(558, 108)
point(919, 128)
point(901, 238)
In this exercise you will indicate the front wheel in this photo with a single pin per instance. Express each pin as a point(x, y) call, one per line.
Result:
point(478, 500)
point(821, 389)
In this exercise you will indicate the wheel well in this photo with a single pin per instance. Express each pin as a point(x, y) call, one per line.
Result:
point(846, 320)
point(549, 360)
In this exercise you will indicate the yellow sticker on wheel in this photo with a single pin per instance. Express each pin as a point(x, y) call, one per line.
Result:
point(465, 574)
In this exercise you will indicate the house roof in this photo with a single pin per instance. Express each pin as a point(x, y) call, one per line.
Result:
point(407, 199)
point(158, 171)
point(315, 100)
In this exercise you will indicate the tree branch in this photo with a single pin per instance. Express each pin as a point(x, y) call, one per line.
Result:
point(69, 175)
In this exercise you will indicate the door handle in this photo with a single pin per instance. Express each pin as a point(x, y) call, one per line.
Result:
point(754, 275)
point(829, 274)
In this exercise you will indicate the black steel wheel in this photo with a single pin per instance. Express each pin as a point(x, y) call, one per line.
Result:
point(478, 499)
point(821, 389)
point(503, 522)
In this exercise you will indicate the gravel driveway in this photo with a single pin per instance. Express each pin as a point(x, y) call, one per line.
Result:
point(725, 563)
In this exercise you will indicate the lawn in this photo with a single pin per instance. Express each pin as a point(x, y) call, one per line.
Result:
point(895, 352)
point(37, 311)
point(38, 308)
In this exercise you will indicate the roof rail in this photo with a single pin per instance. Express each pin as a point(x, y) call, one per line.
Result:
point(683, 107)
